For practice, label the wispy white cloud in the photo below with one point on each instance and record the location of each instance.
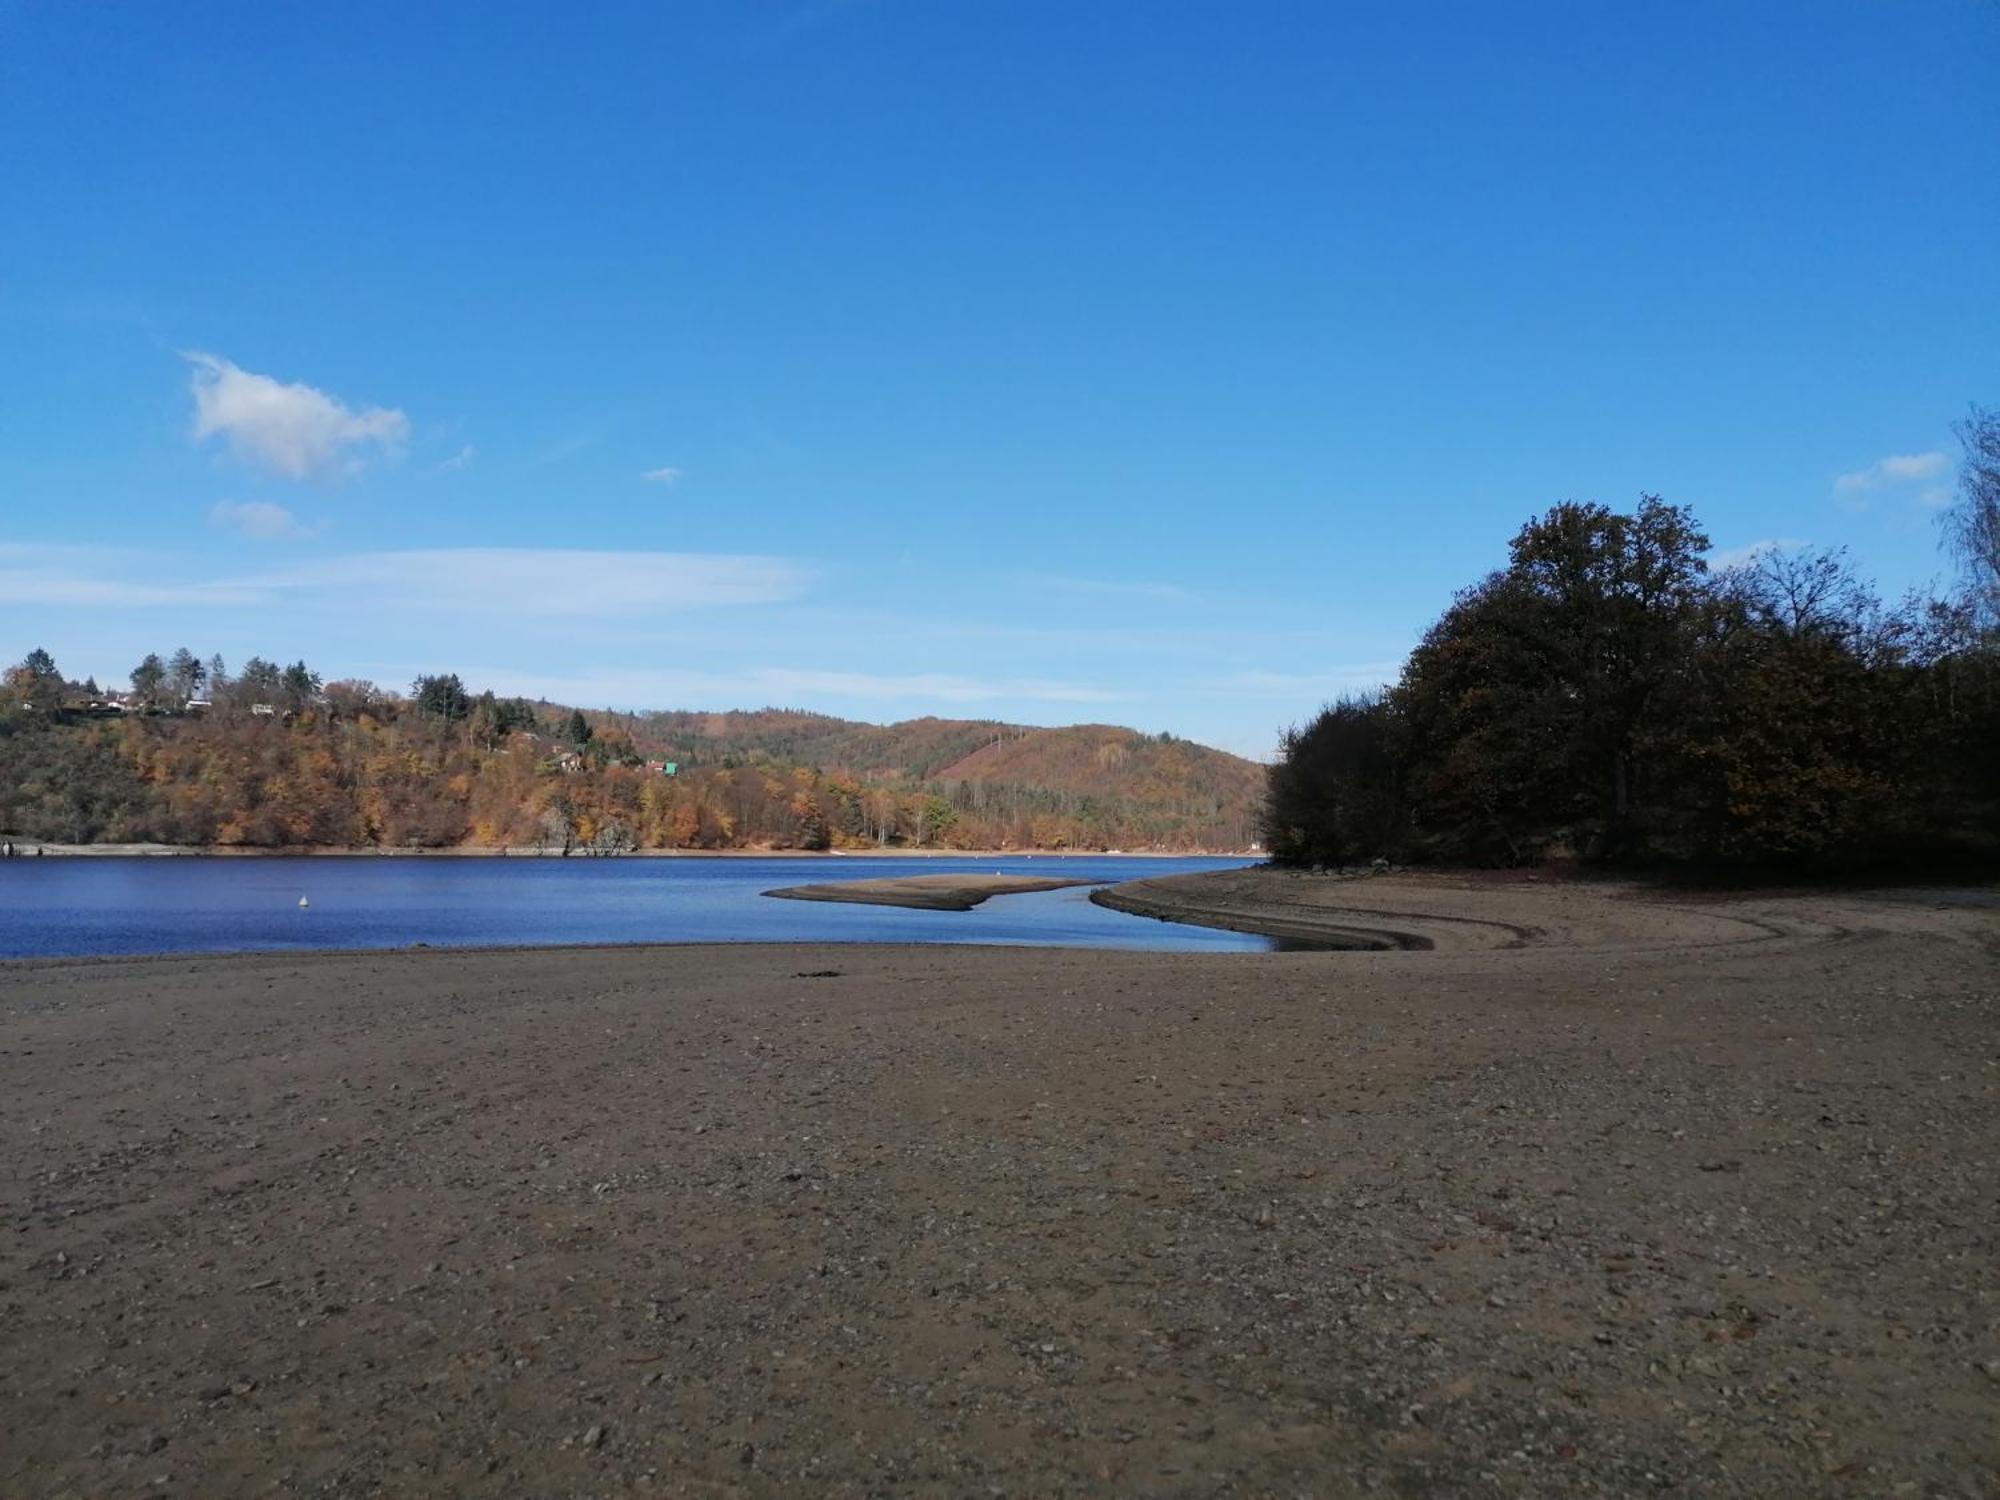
(259, 519)
(1720, 559)
(471, 581)
(948, 687)
(58, 590)
(461, 459)
(1360, 677)
(794, 686)
(666, 474)
(1896, 469)
(1170, 593)
(569, 447)
(291, 430)
(1913, 466)
(106, 578)
(552, 581)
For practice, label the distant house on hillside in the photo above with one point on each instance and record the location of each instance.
(569, 761)
(107, 703)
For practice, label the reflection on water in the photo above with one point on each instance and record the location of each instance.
(159, 905)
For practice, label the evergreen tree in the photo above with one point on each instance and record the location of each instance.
(185, 675)
(260, 682)
(300, 685)
(148, 678)
(442, 697)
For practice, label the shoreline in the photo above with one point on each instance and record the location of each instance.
(29, 849)
(1162, 902)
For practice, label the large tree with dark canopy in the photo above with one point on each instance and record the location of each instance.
(1534, 705)
(1334, 795)
(1604, 696)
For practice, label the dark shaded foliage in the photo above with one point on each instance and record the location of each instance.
(1605, 697)
(70, 784)
(1335, 794)
(442, 697)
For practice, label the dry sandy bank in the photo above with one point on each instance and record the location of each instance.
(1465, 912)
(1643, 1197)
(926, 892)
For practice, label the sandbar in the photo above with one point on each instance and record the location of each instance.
(925, 892)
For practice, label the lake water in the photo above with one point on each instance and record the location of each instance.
(91, 905)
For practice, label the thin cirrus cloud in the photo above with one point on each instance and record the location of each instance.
(1895, 470)
(461, 459)
(665, 474)
(100, 578)
(291, 429)
(1361, 678)
(260, 520)
(570, 446)
(1166, 593)
(647, 688)
(58, 590)
(1721, 559)
(551, 581)
(516, 582)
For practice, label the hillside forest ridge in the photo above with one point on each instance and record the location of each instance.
(272, 757)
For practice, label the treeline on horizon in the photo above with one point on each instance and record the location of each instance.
(273, 757)
(1606, 697)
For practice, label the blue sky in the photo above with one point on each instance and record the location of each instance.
(1163, 364)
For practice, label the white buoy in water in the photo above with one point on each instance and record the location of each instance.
(303, 903)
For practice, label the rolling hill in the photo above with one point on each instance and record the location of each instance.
(355, 767)
(1117, 786)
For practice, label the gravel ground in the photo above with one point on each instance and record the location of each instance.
(1602, 1194)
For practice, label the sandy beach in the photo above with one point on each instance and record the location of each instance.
(1566, 1190)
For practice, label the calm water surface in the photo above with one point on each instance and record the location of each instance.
(71, 906)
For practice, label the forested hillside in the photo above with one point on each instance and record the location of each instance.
(1081, 786)
(273, 758)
